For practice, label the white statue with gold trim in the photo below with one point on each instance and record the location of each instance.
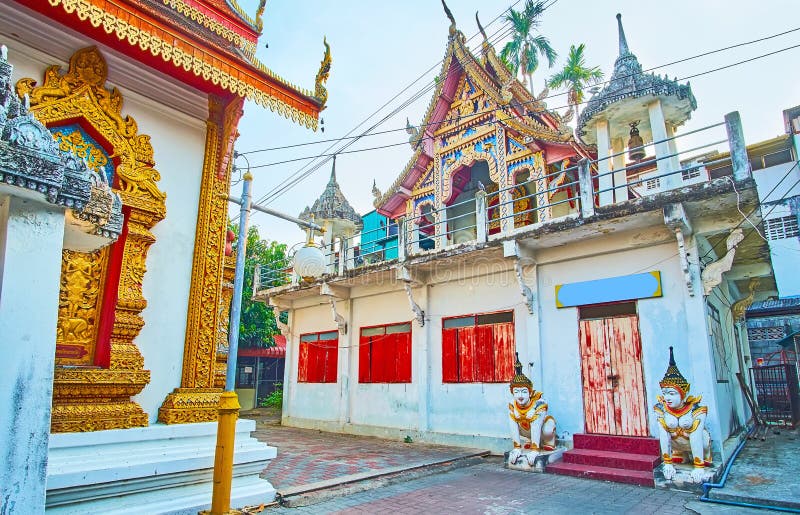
(532, 429)
(682, 426)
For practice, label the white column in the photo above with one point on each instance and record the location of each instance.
(348, 362)
(659, 130)
(33, 234)
(605, 179)
(620, 175)
(421, 337)
(330, 249)
(674, 161)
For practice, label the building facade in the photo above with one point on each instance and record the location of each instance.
(509, 242)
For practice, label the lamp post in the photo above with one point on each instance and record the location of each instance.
(228, 402)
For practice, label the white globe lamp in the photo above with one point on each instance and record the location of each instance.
(309, 263)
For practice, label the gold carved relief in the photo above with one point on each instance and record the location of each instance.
(197, 399)
(90, 399)
(79, 302)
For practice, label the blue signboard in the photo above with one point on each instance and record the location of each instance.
(613, 289)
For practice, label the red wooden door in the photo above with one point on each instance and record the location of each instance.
(613, 386)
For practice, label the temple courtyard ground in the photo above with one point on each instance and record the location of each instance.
(318, 472)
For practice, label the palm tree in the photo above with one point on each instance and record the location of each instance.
(575, 76)
(526, 45)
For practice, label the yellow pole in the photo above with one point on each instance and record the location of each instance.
(223, 461)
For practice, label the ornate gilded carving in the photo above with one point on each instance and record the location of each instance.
(205, 296)
(223, 321)
(322, 75)
(88, 399)
(79, 302)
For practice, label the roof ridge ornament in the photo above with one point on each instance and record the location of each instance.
(322, 75)
(480, 28)
(452, 29)
(623, 43)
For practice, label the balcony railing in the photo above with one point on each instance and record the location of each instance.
(575, 192)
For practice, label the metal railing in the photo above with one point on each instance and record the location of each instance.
(590, 184)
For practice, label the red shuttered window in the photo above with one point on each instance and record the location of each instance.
(478, 348)
(384, 354)
(318, 357)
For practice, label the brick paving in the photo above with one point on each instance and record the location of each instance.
(307, 456)
(488, 488)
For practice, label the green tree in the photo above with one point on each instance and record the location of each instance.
(526, 43)
(258, 324)
(575, 76)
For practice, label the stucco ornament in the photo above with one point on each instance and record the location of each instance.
(682, 427)
(532, 430)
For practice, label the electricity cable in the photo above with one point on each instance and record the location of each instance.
(491, 122)
(599, 84)
(284, 186)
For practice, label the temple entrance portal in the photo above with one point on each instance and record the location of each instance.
(611, 367)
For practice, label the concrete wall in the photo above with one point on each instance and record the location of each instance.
(548, 339)
(178, 141)
(32, 234)
(774, 184)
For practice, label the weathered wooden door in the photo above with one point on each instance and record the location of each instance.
(613, 386)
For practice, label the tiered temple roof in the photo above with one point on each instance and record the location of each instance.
(209, 44)
(518, 110)
(332, 205)
(629, 81)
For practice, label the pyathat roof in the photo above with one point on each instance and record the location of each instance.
(332, 205)
(629, 81)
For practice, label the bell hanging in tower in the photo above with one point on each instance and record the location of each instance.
(635, 144)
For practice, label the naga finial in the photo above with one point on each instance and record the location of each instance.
(322, 75)
(262, 4)
(452, 29)
(480, 28)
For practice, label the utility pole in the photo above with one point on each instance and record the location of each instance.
(229, 402)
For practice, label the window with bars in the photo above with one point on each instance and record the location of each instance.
(478, 348)
(691, 173)
(384, 354)
(318, 357)
(652, 184)
(781, 228)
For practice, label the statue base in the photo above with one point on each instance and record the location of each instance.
(539, 464)
(685, 477)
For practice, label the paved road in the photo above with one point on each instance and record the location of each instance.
(487, 488)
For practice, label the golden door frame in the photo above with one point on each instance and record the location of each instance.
(92, 399)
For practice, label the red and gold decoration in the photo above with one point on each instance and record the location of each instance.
(98, 366)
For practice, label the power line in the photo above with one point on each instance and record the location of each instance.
(604, 83)
(491, 122)
(288, 183)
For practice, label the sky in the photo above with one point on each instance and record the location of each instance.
(380, 48)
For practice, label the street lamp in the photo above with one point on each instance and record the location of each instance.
(310, 260)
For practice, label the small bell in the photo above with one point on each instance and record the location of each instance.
(635, 144)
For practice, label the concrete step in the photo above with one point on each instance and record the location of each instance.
(632, 477)
(626, 444)
(627, 461)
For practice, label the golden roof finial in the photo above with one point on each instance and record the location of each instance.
(480, 28)
(452, 29)
(322, 75)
